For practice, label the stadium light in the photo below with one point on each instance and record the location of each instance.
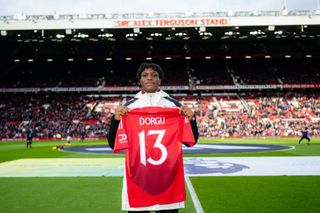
(228, 57)
(105, 35)
(308, 56)
(49, 60)
(187, 57)
(180, 34)
(131, 35)
(287, 56)
(70, 59)
(68, 31)
(30, 60)
(4, 33)
(81, 35)
(271, 27)
(202, 29)
(148, 58)
(205, 35)
(279, 32)
(109, 59)
(168, 58)
(16, 60)
(128, 59)
(257, 32)
(156, 34)
(267, 56)
(248, 56)
(60, 36)
(207, 57)
(89, 59)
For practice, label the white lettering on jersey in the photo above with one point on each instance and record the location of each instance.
(152, 121)
(123, 138)
(158, 144)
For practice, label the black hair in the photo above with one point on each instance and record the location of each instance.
(152, 66)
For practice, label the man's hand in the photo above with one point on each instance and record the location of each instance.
(121, 110)
(186, 111)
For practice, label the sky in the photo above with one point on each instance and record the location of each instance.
(46, 7)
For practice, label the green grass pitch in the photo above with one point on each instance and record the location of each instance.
(294, 194)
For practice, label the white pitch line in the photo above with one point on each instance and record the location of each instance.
(194, 196)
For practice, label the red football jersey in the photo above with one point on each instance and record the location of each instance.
(152, 137)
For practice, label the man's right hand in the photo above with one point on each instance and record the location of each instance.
(121, 110)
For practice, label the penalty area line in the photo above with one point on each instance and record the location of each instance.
(194, 196)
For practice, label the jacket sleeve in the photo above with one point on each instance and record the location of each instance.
(195, 131)
(111, 136)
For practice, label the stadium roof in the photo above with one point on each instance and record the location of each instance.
(36, 7)
(159, 20)
(167, 26)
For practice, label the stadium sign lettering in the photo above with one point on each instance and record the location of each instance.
(172, 22)
(142, 23)
(176, 22)
(214, 21)
(152, 121)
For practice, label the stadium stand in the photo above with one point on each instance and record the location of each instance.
(247, 81)
(254, 115)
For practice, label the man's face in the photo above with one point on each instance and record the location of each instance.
(150, 80)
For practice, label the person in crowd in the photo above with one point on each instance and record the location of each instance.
(305, 135)
(145, 185)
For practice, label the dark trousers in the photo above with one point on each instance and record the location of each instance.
(304, 138)
(160, 211)
(29, 142)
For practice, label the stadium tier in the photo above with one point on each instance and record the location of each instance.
(254, 115)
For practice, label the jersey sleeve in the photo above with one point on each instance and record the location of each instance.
(187, 135)
(121, 141)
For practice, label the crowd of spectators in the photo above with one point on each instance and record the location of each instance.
(264, 116)
(52, 115)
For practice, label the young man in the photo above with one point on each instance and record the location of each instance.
(156, 183)
(82, 135)
(29, 136)
(305, 136)
(69, 136)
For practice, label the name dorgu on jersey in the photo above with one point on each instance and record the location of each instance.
(152, 121)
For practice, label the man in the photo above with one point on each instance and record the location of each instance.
(69, 136)
(29, 136)
(151, 98)
(305, 136)
(82, 135)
